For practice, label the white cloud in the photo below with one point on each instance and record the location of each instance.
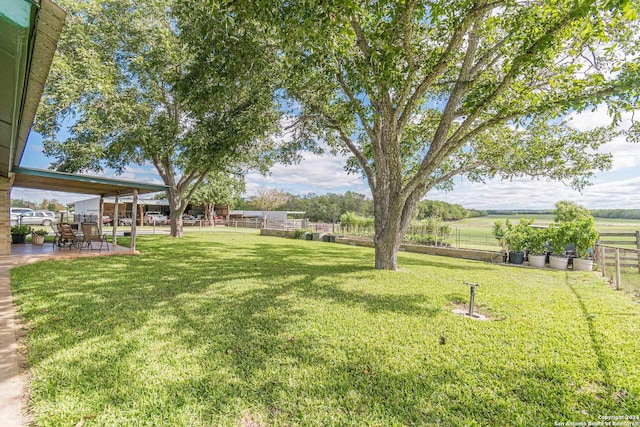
(316, 173)
(625, 154)
(533, 194)
(589, 120)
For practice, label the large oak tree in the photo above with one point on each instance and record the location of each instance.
(131, 84)
(422, 91)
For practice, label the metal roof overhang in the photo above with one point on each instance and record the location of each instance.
(58, 181)
(29, 32)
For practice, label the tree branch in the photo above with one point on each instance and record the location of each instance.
(195, 185)
(442, 64)
(356, 103)
(516, 66)
(433, 156)
(452, 173)
(363, 45)
(411, 65)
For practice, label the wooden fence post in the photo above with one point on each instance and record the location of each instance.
(638, 248)
(603, 260)
(618, 284)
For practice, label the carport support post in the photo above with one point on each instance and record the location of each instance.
(100, 214)
(114, 222)
(134, 212)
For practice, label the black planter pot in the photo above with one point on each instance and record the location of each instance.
(516, 257)
(19, 238)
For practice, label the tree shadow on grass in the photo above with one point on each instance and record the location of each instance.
(227, 327)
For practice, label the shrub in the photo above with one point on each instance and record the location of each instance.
(21, 230)
(299, 233)
(351, 221)
(583, 234)
(560, 236)
(537, 240)
(516, 236)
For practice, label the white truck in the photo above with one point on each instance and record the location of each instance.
(155, 218)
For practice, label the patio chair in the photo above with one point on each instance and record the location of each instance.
(91, 234)
(65, 235)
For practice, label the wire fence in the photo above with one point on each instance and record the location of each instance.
(621, 265)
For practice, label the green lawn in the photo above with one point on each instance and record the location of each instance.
(230, 328)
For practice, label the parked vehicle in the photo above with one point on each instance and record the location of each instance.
(14, 215)
(19, 211)
(155, 218)
(124, 221)
(106, 220)
(47, 213)
(36, 218)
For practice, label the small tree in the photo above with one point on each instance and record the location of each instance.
(569, 211)
(219, 187)
(268, 199)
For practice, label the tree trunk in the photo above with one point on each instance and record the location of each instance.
(176, 209)
(393, 212)
(386, 249)
(390, 237)
(208, 213)
(176, 224)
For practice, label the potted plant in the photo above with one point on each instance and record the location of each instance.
(37, 236)
(19, 233)
(515, 237)
(584, 237)
(560, 236)
(537, 246)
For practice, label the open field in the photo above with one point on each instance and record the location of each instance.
(233, 329)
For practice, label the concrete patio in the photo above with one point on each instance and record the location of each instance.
(27, 253)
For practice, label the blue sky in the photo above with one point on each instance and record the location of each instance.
(617, 188)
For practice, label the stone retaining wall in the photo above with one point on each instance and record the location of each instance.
(476, 255)
(472, 254)
(276, 233)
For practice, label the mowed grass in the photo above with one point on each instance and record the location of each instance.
(228, 329)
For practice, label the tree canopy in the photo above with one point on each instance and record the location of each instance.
(134, 86)
(219, 188)
(420, 92)
(567, 211)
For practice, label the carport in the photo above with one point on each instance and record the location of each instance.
(29, 33)
(103, 187)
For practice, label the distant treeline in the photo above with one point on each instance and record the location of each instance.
(521, 212)
(445, 211)
(616, 213)
(329, 207)
(598, 213)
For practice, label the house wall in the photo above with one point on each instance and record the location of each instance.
(5, 227)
